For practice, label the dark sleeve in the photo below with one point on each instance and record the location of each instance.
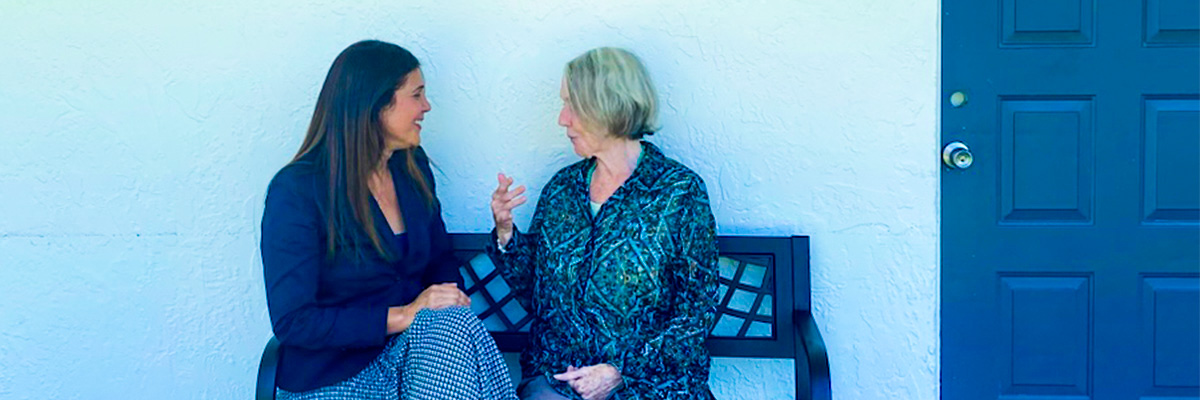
(516, 263)
(293, 248)
(676, 360)
(443, 263)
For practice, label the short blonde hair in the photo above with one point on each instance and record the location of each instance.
(611, 90)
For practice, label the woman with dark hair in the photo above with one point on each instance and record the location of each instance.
(362, 286)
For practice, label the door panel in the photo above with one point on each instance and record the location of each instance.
(1045, 322)
(1071, 248)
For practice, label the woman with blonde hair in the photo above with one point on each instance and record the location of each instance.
(619, 262)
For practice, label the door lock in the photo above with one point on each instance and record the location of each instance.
(957, 155)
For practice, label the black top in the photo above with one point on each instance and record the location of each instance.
(330, 314)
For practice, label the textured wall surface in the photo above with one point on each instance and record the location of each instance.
(137, 138)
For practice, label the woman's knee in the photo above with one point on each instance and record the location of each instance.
(457, 314)
(538, 388)
(457, 319)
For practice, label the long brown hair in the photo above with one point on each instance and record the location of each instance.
(345, 138)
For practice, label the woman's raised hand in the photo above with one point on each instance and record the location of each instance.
(503, 202)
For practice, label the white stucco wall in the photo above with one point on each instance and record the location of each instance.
(137, 138)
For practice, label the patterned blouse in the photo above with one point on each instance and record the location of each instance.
(634, 286)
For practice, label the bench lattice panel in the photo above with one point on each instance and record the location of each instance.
(746, 307)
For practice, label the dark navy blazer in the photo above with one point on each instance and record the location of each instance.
(330, 314)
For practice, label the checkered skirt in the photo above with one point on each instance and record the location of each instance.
(444, 354)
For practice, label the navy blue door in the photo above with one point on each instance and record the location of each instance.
(1071, 246)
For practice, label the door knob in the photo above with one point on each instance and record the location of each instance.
(957, 155)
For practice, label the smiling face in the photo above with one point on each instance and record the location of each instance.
(402, 118)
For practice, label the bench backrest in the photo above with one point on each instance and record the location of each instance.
(763, 282)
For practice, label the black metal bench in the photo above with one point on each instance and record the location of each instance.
(764, 309)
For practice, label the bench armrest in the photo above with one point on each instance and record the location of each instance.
(265, 388)
(815, 364)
